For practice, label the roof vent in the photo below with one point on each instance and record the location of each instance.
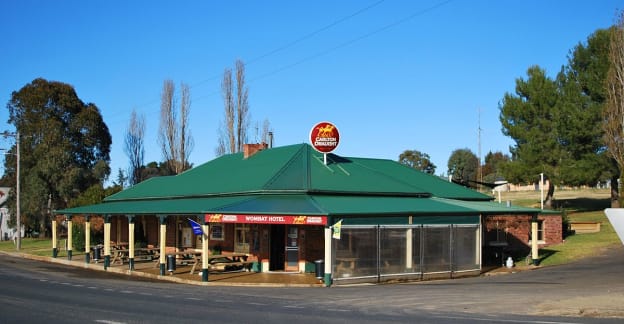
(251, 149)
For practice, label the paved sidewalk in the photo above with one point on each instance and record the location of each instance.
(151, 269)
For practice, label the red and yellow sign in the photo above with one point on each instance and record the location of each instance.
(324, 137)
(266, 219)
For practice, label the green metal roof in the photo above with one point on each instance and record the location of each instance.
(295, 204)
(156, 206)
(294, 180)
(297, 168)
(489, 207)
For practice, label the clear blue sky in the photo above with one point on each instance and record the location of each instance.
(392, 75)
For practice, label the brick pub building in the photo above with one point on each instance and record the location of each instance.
(292, 208)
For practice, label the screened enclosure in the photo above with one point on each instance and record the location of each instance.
(385, 252)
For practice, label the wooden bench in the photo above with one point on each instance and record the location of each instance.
(119, 255)
(224, 262)
(146, 254)
(122, 255)
(585, 227)
(231, 266)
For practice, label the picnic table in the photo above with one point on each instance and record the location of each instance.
(121, 254)
(229, 262)
(346, 263)
(217, 262)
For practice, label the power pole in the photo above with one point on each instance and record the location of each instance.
(18, 244)
(18, 222)
(479, 170)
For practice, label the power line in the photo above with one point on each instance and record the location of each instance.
(314, 33)
(321, 53)
(355, 40)
(283, 47)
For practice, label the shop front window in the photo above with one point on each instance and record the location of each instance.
(216, 232)
(241, 238)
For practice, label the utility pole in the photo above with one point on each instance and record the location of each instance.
(479, 169)
(18, 240)
(542, 190)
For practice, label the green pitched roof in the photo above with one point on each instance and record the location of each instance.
(297, 168)
(295, 180)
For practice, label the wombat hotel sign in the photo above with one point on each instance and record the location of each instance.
(266, 219)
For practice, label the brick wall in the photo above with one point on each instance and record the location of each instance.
(516, 229)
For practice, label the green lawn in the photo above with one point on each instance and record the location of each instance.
(585, 205)
(42, 247)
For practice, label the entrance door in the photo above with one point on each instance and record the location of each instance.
(277, 242)
(292, 249)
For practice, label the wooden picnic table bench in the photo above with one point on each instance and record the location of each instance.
(229, 262)
(218, 262)
(122, 254)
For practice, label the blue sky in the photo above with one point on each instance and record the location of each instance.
(392, 75)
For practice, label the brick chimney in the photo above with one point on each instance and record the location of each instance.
(251, 149)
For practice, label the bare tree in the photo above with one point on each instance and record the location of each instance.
(242, 106)
(227, 132)
(168, 129)
(614, 108)
(233, 132)
(186, 139)
(174, 135)
(134, 146)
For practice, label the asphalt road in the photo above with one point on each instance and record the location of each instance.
(591, 291)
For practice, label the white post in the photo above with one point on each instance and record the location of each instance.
(163, 244)
(542, 190)
(70, 238)
(328, 256)
(534, 243)
(87, 239)
(205, 247)
(131, 239)
(17, 195)
(409, 261)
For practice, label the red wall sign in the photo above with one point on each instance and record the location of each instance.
(266, 219)
(324, 137)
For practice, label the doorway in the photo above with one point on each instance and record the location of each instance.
(278, 246)
(292, 249)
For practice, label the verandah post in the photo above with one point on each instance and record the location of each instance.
(130, 242)
(205, 241)
(87, 234)
(70, 237)
(107, 246)
(54, 238)
(162, 242)
(328, 256)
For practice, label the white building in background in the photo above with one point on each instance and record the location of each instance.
(6, 232)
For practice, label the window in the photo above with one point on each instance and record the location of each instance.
(241, 238)
(540, 232)
(216, 232)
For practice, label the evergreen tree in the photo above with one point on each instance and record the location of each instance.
(64, 147)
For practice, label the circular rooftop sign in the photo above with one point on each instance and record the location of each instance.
(324, 137)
